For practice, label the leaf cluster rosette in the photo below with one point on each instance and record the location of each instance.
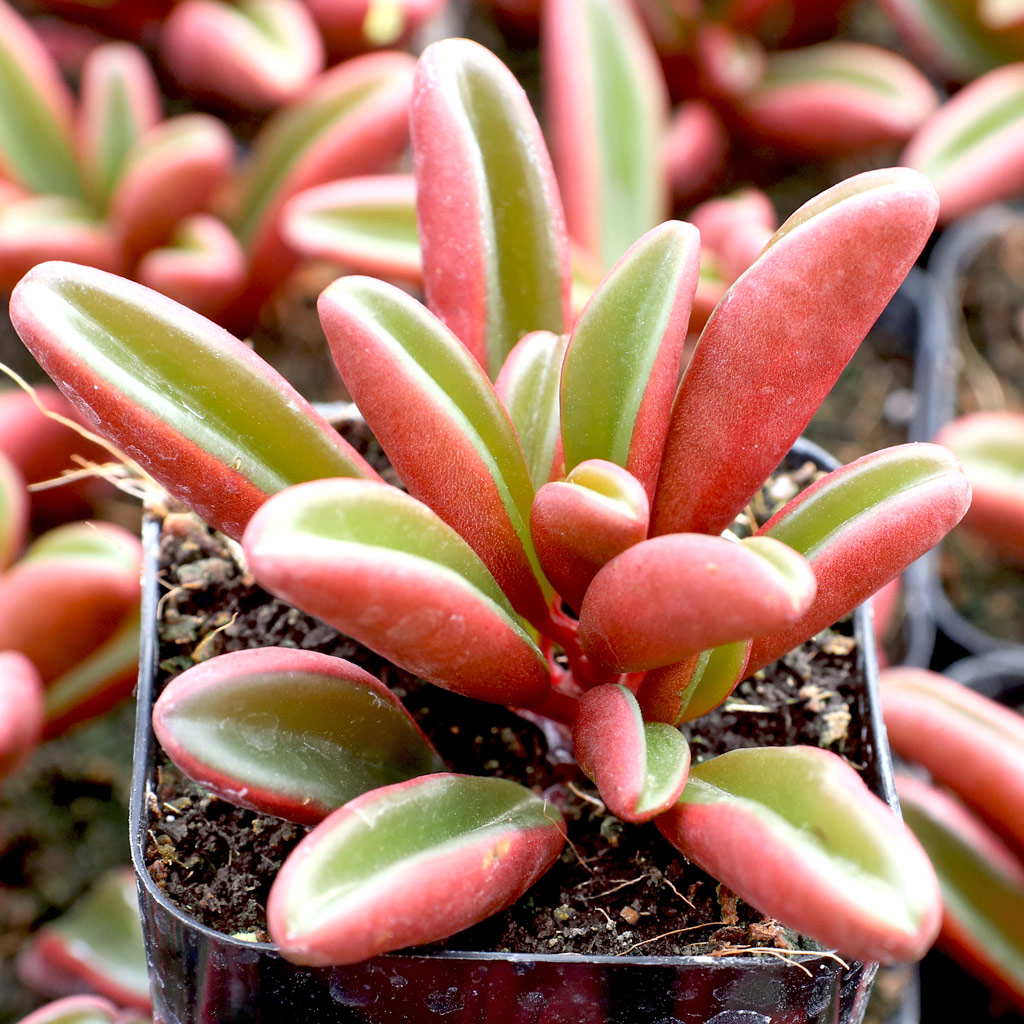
(562, 543)
(104, 179)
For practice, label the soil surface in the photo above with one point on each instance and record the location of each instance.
(618, 888)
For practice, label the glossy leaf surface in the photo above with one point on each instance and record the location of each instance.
(861, 526)
(607, 112)
(371, 877)
(384, 569)
(191, 404)
(436, 415)
(762, 367)
(796, 833)
(677, 595)
(288, 732)
(495, 250)
(639, 768)
(622, 365)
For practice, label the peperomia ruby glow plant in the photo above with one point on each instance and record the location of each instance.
(564, 543)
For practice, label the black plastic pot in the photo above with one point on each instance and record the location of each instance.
(199, 976)
(957, 636)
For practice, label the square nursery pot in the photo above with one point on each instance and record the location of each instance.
(200, 975)
(941, 374)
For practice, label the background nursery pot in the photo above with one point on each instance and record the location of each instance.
(198, 974)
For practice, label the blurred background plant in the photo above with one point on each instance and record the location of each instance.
(239, 156)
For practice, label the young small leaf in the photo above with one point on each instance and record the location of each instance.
(288, 732)
(581, 523)
(527, 386)
(639, 768)
(370, 878)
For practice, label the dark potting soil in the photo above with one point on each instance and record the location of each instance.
(617, 888)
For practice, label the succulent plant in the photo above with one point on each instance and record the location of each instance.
(969, 824)
(563, 543)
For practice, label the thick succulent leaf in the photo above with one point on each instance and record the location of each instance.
(21, 715)
(971, 148)
(76, 1010)
(495, 249)
(97, 682)
(991, 447)
(366, 224)
(408, 864)
(692, 687)
(195, 407)
(172, 171)
(795, 832)
(68, 593)
(639, 768)
(381, 567)
(47, 227)
(289, 732)
(967, 741)
(36, 134)
(837, 97)
(1001, 14)
(622, 365)
(253, 54)
(762, 367)
(862, 525)
(607, 112)
(97, 945)
(353, 120)
(118, 101)
(14, 508)
(203, 267)
(581, 523)
(982, 886)
(436, 415)
(679, 594)
(527, 386)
